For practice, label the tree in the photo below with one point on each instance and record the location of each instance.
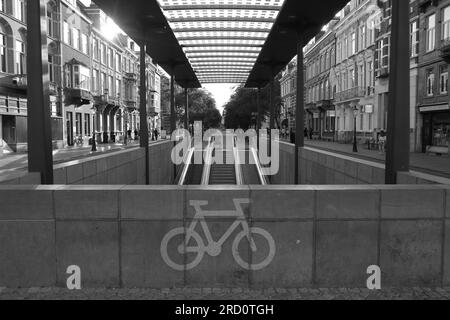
(202, 107)
(240, 110)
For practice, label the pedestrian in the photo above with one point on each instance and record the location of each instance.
(136, 134)
(311, 131)
(305, 132)
(382, 142)
(156, 134)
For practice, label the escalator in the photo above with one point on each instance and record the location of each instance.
(222, 164)
(223, 174)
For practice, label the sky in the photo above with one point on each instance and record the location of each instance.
(221, 92)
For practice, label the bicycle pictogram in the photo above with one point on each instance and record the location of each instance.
(191, 243)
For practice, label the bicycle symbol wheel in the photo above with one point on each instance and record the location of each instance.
(270, 244)
(182, 249)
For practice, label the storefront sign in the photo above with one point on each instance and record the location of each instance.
(368, 108)
(441, 107)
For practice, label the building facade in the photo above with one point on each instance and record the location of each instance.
(13, 102)
(433, 90)
(352, 79)
(382, 68)
(94, 77)
(320, 58)
(288, 84)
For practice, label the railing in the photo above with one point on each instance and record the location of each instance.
(262, 177)
(208, 159)
(237, 163)
(187, 163)
(355, 92)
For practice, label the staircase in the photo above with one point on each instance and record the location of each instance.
(223, 174)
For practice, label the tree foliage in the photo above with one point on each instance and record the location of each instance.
(240, 110)
(202, 107)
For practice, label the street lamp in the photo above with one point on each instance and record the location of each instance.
(355, 142)
(94, 143)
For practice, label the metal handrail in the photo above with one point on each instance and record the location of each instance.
(187, 164)
(262, 177)
(237, 162)
(207, 166)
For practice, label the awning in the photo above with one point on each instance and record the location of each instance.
(436, 107)
(219, 41)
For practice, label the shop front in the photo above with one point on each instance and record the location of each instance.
(436, 129)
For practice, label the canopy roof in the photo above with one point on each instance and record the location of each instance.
(221, 41)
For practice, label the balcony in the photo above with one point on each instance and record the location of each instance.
(445, 49)
(77, 96)
(350, 94)
(130, 76)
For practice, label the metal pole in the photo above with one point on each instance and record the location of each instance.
(258, 117)
(355, 140)
(186, 109)
(143, 138)
(40, 150)
(299, 112)
(173, 123)
(397, 156)
(94, 143)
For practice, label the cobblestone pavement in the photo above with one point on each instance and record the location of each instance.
(226, 294)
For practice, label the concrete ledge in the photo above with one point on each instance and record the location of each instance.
(87, 202)
(325, 236)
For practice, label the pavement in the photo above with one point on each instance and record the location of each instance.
(19, 161)
(226, 294)
(421, 162)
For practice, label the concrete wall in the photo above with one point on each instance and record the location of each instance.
(318, 167)
(324, 236)
(121, 167)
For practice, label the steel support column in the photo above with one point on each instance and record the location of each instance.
(299, 112)
(397, 156)
(143, 135)
(40, 155)
(186, 109)
(173, 122)
(259, 115)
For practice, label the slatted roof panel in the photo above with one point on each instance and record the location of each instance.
(222, 39)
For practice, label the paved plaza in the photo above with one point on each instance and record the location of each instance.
(226, 294)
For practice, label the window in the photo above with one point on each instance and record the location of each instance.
(110, 58)
(84, 44)
(78, 123)
(2, 5)
(81, 77)
(111, 86)
(414, 39)
(430, 83)
(118, 62)
(95, 79)
(87, 124)
(446, 24)
(431, 33)
(19, 10)
(20, 57)
(76, 38)
(353, 43)
(362, 37)
(52, 68)
(66, 32)
(51, 29)
(95, 49)
(3, 49)
(104, 84)
(443, 80)
(118, 84)
(103, 53)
